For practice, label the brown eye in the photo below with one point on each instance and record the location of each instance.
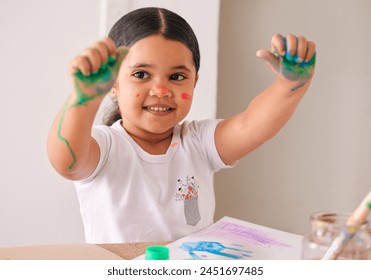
(141, 75)
(177, 77)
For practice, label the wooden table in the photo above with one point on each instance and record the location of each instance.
(124, 251)
(129, 251)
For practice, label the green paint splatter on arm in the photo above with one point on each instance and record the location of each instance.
(64, 140)
(99, 83)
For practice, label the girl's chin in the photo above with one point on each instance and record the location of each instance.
(159, 130)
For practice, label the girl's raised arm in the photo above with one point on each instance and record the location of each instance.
(71, 149)
(292, 60)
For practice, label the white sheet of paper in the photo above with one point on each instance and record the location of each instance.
(235, 239)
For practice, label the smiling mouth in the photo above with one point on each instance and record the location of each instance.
(159, 109)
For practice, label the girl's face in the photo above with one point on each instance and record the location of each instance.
(155, 86)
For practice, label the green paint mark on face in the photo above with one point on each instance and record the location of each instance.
(369, 205)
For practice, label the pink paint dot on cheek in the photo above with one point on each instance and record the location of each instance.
(186, 96)
(136, 94)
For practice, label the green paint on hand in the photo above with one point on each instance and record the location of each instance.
(301, 70)
(64, 139)
(103, 75)
(294, 71)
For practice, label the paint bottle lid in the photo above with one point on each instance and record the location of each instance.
(157, 253)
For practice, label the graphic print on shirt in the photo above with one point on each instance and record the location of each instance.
(188, 193)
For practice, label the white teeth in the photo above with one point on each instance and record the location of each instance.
(159, 109)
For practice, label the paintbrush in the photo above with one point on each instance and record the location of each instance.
(357, 218)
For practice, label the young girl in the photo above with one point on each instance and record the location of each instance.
(144, 176)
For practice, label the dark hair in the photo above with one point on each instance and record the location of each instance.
(145, 22)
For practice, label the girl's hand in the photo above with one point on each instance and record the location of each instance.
(94, 72)
(291, 58)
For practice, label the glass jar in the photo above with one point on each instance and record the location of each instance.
(329, 227)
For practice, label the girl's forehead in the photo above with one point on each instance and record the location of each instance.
(157, 40)
(157, 49)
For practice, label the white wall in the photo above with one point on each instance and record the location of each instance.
(321, 161)
(38, 40)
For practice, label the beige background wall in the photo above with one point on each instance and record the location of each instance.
(321, 161)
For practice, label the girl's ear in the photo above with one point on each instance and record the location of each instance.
(114, 90)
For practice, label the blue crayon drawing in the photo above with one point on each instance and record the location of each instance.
(215, 248)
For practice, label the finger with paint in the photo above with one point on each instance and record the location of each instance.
(95, 70)
(93, 57)
(291, 58)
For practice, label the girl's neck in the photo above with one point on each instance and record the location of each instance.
(152, 143)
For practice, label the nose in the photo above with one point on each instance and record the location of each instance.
(160, 91)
